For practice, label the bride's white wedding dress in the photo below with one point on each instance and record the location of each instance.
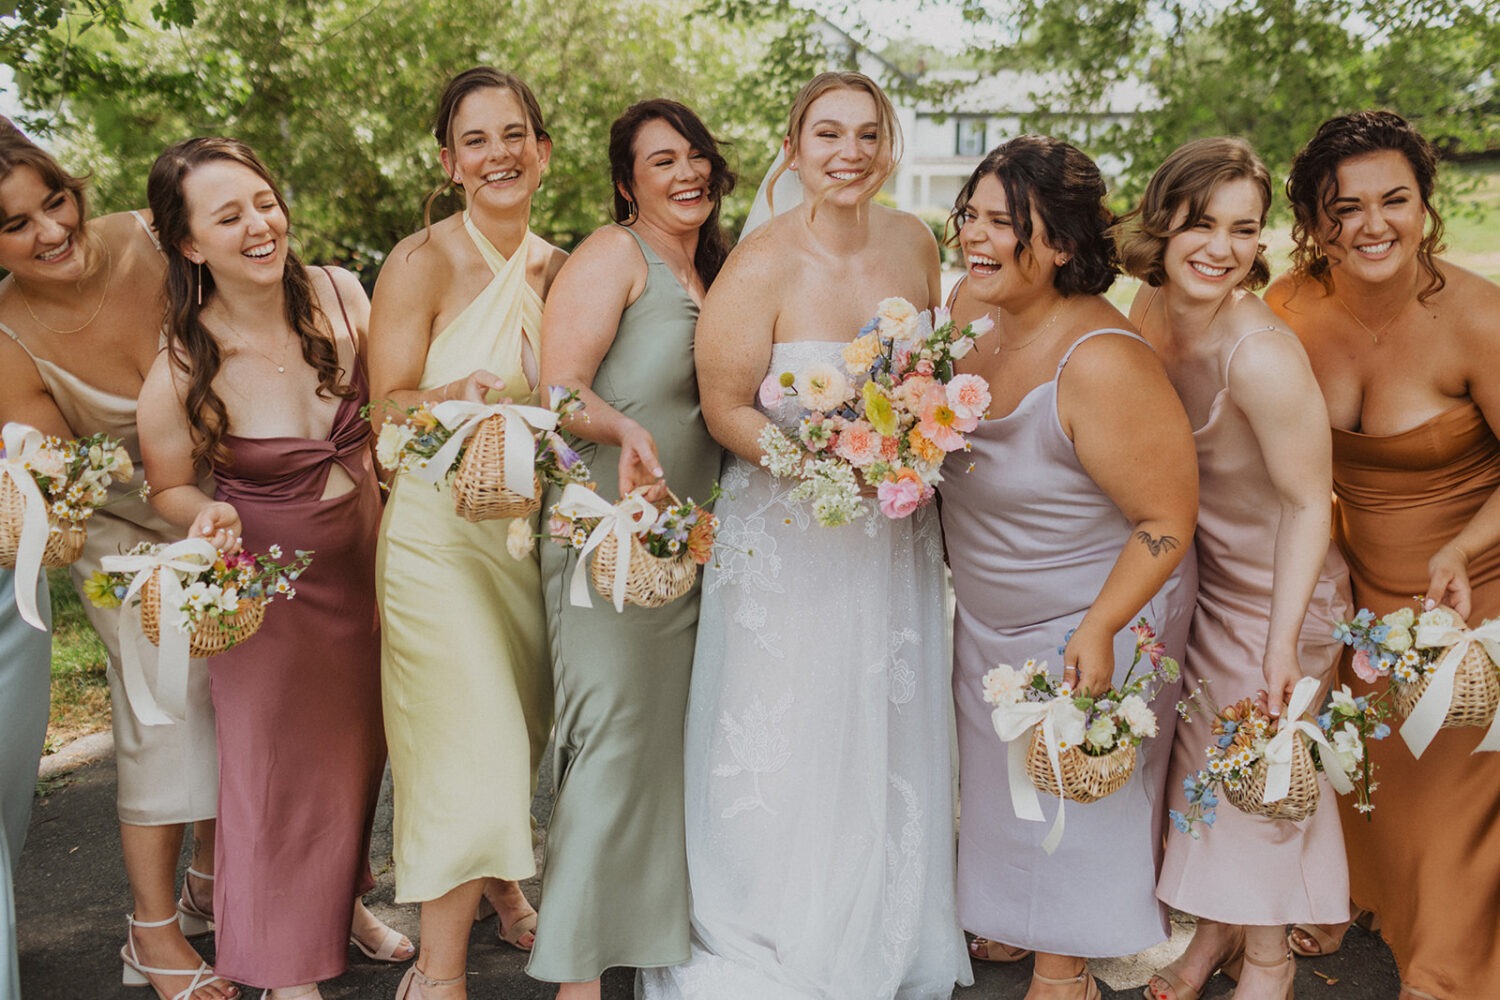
(819, 776)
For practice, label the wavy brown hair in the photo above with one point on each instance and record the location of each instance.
(1063, 186)
(888, 148)
(193, 348)
(1313, 186)
(713, 245)
(454, 92)
(1187, 180)
(16, 150)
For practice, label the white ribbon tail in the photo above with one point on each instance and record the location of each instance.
(1421, 727)
(1279, 748)
(1014, 724)
(631, 516)
(190, 556)
(20, 442)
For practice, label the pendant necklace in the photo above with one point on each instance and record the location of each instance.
(245, 342)
(1056, 312)
(1375, 333)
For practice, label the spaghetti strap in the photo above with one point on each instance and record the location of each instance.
(953, 292)
(348, 327)
(1229, 358)
(16, 337)
(1094, 333)
(150, 233)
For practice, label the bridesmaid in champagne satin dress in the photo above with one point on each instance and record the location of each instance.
(1406, 347)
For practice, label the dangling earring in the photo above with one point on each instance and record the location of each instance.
(633, 214)
(200, 282)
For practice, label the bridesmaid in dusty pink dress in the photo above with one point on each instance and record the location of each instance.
(1269, 586)
(270, 364)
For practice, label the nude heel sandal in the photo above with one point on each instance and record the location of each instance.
(1090, 986)
(195, 920)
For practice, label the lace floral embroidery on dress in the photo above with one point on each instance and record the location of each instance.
(759, 746)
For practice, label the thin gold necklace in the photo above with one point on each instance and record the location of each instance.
(245, 342)
(109, 273)
(1374, 334)
(1056, 312)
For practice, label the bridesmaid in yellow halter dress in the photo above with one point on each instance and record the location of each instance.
(457, 315)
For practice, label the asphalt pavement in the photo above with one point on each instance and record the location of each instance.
(71, 899)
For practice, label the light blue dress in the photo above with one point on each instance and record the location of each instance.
(25, 689)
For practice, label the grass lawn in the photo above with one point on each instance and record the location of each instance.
(80, 693)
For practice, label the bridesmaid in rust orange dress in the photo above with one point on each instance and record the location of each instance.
(1406, 348)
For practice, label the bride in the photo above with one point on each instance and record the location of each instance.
(819, 805)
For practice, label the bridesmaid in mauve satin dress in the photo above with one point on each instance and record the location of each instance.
(1406, 347)
(301, 745)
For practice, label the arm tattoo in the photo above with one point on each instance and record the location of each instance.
(1165, 543)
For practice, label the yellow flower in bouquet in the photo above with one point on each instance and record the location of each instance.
(860, 354)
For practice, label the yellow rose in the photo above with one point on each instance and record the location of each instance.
(1398, 639)
(859, 355)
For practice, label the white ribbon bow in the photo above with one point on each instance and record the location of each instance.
(463, 419)
(21, 443)
(1278, 751)
(631, 516)
(191, 557)
(1013, 724)
(1432, 708)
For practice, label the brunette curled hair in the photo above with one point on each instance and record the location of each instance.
(1185, 182)
(16, 150)
(454, 92)
(713, 245)
(1313, 186)
(191, 346)
(1057, 181)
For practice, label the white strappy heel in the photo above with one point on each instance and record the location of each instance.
(195, 920)
(136, 974)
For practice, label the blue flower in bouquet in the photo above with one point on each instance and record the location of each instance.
(1325, 721)
(1379, 633)
(1380, 732)
(1365, 618)
(1342, 633)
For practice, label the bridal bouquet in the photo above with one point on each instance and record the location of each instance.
(1442, 673)
(496, 456)
(888, 416)
(58, 482)
(1079, 747)
(643, 554)
(1270, 768)
(215, 599)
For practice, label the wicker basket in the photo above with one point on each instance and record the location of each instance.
(1301, 797)
(213, 635)
(479, 490)
(1476, 691)
(64, 541)
(1084, 778)
(651, 581)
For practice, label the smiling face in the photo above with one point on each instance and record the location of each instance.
(1213, 254)
(839, 155)
(1373, 228)
(669, 179)
(237, 227)
(987, 236)
(40, 229)
(493, 151)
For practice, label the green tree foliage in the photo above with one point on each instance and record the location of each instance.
(1268, 70)
(338, 95)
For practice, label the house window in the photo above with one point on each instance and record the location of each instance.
(971, 137)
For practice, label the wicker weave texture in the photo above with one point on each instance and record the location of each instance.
(1301, 799)
(479, 489)
(213, 635)
(1476, 691)
(651, 581)
(1084, 778)
(64, 541)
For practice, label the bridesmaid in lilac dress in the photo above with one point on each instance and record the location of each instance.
(275, 383)
(1072, 520)
(1270, 586)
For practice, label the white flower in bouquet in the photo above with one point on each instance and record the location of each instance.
(1440, 617)
(898, 318)
(1402, 617)
(1398, 639)
(392, 442)
(1101, 733)
(1342, 700)
(1004, 685)
(1348, 748)
(823, 387)
(1069, 723)
(518, 540)
(1138, 715)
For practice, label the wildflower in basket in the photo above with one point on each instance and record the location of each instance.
(518, 538)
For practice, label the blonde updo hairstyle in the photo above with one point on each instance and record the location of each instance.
(888, 151)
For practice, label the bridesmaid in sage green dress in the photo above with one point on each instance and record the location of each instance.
(619, 328)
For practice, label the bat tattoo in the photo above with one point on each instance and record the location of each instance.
(1165, 543)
